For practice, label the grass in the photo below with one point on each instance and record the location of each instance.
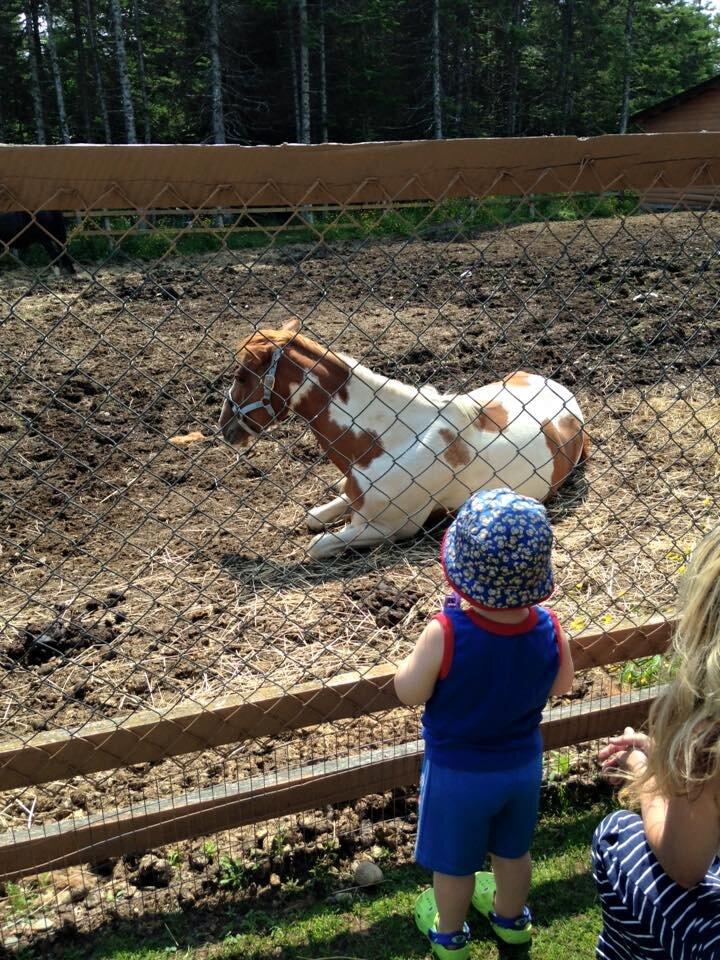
(376, 925)
(463, 217)
(21, 902)
(645, 672)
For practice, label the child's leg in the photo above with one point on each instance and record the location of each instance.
(452, 895)
(512, 882)
(510, 836)
(451, 841)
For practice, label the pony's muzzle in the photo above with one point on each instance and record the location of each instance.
(231, 429)
(234, 434)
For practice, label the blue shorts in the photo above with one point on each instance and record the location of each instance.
(464, 815)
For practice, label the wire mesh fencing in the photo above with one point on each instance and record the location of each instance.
(219, 542)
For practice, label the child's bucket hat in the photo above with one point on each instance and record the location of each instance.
(497, 551)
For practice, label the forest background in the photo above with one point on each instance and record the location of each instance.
(271, 71)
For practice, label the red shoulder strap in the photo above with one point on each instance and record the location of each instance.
(448, 644)
(556, 625)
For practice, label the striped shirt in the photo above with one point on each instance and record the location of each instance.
(646, 915)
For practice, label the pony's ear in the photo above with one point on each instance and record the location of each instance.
(292, 324)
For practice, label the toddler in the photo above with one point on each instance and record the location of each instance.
(484, 668)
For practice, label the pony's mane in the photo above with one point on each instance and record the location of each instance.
(261, 340)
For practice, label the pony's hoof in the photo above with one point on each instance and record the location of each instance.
(325, 545)
(313, 523)
(317, 549)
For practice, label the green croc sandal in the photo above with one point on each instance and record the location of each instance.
(445, 946)
(517, 930)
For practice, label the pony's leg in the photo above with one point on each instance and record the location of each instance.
(390, 524)
(357, 533)
(320, 517)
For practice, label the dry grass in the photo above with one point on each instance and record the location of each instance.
(186, 571)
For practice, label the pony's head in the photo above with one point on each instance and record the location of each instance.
(257, 396)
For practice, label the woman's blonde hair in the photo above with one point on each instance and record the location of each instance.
(685, 720)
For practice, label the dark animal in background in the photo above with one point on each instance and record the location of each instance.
(18, 231)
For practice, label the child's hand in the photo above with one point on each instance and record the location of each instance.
(629, 740)
(626, 754)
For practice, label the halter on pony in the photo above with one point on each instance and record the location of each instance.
(241, 412)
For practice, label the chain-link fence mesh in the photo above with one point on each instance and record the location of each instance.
(144, 573)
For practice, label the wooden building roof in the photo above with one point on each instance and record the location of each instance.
(694, 109)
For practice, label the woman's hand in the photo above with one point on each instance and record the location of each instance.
(626, 754)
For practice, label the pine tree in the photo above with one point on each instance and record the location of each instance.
(55, 70)
(97, 72)
(304, 61)
(82, 72)
(141, 71)
(627, 63)
(34, 50)
(218, 122)
(123, 74)
(323, 73)
(437, 86)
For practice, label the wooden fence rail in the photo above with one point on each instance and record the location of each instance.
(337, 780)
(152, 736)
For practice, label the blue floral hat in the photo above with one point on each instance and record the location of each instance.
(497, 552)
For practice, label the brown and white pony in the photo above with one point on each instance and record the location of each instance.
(404, 452)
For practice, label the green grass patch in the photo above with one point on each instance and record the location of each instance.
(463, 219)
(645, 672)
(378, 924)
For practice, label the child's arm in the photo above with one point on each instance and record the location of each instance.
(564, 679)
(418, 673)
(683, 831)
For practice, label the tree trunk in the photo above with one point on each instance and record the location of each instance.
(55, 70)
(141, 73)
(466, 38)
(304, 73)
(460, 75)
(294, 75)
(323, 76)
(566, 64)
(218, 121)
(35, 67)
(82, 73)
(99, 85)
(437, 92)
(625, 109)
(123, 75)
(514, 67)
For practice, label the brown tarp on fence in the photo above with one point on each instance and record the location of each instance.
(97, 177)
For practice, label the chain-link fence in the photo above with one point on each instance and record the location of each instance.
(181, 654)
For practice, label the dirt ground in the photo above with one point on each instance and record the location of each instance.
(138, 574)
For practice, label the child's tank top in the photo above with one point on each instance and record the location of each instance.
(495, 678)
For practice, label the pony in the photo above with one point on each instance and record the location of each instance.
(405, 453)
(46, 227)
